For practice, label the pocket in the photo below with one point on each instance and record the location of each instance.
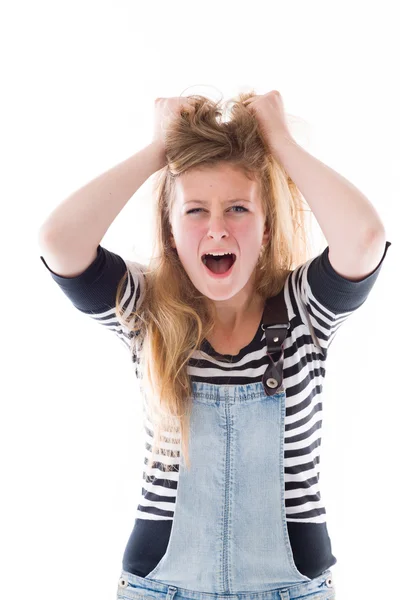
(126, 591)
(131, 593)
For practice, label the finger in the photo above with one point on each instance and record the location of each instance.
(250, 100)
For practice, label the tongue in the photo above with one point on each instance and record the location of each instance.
(220, 265)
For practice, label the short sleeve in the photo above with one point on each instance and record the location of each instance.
(93, 292)
(323, 300)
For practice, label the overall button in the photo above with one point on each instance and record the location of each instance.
(329, 582)
(122, 582)
(271, 382)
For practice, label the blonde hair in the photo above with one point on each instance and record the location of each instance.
(175, 317)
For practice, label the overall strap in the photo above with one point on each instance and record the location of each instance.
(275, 323)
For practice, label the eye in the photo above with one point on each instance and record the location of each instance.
(236, 206)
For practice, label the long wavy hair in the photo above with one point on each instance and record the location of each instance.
(173, 320)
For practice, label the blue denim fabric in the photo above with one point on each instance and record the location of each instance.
(132, 587)
(229, 535)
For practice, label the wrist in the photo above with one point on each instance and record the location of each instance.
(159, 150)
(281, 140)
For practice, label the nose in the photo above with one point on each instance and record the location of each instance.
(217, 228)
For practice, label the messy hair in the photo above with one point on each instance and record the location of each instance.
(173, 320)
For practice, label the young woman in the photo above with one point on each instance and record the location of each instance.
(229, 328)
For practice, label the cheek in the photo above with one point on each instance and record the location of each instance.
(244, 234)
(189, 241)
(191, 233)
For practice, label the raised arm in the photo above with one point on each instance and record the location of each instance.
(71, 234)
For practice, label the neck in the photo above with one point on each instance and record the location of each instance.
(231, 318)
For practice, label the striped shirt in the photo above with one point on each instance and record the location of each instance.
(318, 301)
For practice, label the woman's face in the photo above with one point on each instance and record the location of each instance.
(204, 218)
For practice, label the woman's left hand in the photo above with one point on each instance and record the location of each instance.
(269, 112)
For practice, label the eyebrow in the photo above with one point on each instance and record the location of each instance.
(227, 201)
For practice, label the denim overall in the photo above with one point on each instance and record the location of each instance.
(229, 535)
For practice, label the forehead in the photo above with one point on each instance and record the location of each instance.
(221, 182)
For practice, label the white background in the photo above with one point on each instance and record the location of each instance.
(79, 82)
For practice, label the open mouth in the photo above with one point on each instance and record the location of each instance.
(218, 264)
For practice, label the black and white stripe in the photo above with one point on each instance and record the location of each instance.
(318, 300)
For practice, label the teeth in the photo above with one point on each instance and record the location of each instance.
(203, 258)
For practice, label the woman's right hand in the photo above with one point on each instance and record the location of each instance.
(165, 110)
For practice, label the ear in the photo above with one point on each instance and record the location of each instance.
(266, 235)
(172, 239)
